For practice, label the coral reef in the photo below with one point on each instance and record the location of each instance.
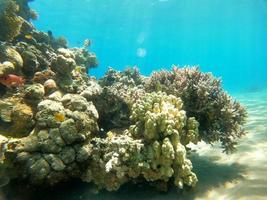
(58, 123)
(16, 117)
(10, 55)
(153, 148)
(219, 116)
(161, 122)
(10, 22)
(120, 90)
(55, 148)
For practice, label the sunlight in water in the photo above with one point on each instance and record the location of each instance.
(141, 52)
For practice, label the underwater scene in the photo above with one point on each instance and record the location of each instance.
(133, 99)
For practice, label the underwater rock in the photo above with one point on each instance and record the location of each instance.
(25, 11)
(47, 110)
(30, 62)
(55, 162)
(6, 68)
(59, 140)
(16, 116)
(10, 22)
(36, 55)
(3, 141)
(34, 93)
(41, 77)
(120, 91)
(62, 65)
(84, 58)
(39, 169)
(56, 96)
(67, 155)
(6, 111)
(8, 53)
(84, 152)
(92, 90)
(22, 119)
(69, 132)
(50, 86)
(117, 163)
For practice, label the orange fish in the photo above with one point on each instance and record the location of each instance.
(12, 80)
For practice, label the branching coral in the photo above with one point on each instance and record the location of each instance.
(219, 116)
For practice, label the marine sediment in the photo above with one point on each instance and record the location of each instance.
(58, 123)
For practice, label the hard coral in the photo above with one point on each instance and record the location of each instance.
(56, 149)
(120, 90)
(151, 149)
(219, 116)
(16, 117)
(10, 22)
(160, 121)
(25, 11)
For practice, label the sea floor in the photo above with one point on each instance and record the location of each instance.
(239, 176)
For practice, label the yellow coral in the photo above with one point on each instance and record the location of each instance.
(110, 135)
(160, 120)
(59, 117)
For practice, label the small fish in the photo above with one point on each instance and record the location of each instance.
(12, 80)
(59, 117)
(28, 36)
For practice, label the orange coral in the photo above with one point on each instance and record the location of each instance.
(41, 77)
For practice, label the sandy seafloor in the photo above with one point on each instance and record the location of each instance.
(239, 176)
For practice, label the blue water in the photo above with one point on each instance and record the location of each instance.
(226, 37)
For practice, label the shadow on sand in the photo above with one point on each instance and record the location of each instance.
(210, 175)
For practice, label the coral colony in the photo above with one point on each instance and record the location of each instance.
(57, 123)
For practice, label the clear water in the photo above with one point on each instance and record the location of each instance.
(226, 37)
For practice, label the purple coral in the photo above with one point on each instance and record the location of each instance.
(220, 116)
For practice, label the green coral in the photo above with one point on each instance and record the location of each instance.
(10, 22)
(159, 115)
(159, 119)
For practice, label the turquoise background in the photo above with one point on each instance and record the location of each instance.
(226, 37)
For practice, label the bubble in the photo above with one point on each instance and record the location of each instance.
(141, 52)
